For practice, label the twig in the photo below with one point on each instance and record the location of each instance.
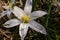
(2, 32)
(4, 38)
(21, 3)
(11, 38)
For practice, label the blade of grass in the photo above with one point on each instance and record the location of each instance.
(48, 16)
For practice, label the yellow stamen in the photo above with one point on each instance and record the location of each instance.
(25, 19)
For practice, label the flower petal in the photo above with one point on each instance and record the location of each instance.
(37, 27)
(11, 23)
(3, 14)
(9, 14)
(37, 14)
(5, 7)
(23, 30)
(18, 12)
(28, 6)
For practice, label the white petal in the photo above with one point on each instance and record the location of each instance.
(11, 23)
(23, 30)
(9, 14)
(18, 12)
(28, 6)
(37, 14)
(37, 27)
(5, 7)
(3, 14)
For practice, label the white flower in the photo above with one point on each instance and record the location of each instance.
(26, 19)
(8, 9)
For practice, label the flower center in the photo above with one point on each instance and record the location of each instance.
(25, 19)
